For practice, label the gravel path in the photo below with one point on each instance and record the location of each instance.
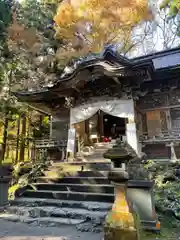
(19, 231)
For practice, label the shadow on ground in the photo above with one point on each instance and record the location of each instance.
(19, 231)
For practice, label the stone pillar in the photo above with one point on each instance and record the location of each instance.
(4, 186)
(140, 194)
(173, 154)
(120, 224)
(139, 189)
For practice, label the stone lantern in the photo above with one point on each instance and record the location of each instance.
(4, 186)
(139, 187)
(119, 156)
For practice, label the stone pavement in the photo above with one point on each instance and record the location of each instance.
(19, 231)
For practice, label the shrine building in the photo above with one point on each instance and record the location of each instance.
(109, 96)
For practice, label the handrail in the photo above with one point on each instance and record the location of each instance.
(164, 136)
(48, 143)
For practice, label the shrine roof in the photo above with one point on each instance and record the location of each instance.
(110, 63)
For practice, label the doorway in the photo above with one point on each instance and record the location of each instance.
(114, 127)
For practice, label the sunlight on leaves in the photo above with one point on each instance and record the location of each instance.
(87, 26)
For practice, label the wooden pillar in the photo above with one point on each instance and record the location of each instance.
(71, 138)
(23, 135)
(168, 117)
(50, 127)
(100, 125)
(171, 145)
(131, 134)
(87, 131)
(169, 126)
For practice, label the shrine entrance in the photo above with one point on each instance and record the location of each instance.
(101, 127)
(114, 127)
(94, 120)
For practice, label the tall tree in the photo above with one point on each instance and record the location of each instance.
(88, 25)
(32, 41)
(5, 74)
(27, 50)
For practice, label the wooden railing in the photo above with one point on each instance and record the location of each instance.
(42, 146)
(165, 136)
(50, 143)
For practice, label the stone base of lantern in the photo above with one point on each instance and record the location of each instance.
(119, 234)
(140, 194)
(4, 186)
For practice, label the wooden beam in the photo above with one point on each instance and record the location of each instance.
(159, 108)
(74, 87)
(116, 80)
(38, 109)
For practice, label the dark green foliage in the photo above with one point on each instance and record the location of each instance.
(5, 17)
(166, 189)
(39, 15)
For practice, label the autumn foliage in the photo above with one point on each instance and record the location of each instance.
(91, 24)
(172, 5)
(18, 34)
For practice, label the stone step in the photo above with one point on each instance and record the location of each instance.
(41, 221)
(58, 164)
(103, 145)
(86, 173)
(88, 205)
(74, 180)
(64, 195)
(103, 165)
(56, 212)
(94, 188)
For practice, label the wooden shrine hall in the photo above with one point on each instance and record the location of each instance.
(108, 96)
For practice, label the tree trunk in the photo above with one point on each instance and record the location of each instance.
(5, 136)
(17, 141)
(28, 135)
(7, 151)
(40, 123)
(23, 135)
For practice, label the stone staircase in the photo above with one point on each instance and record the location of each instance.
(81, 199)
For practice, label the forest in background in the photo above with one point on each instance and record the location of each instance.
(26, 62)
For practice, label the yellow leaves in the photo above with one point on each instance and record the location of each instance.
(97, 11)
(99, 21)
(66, 14)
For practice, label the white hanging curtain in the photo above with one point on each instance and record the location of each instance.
(117, 108)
